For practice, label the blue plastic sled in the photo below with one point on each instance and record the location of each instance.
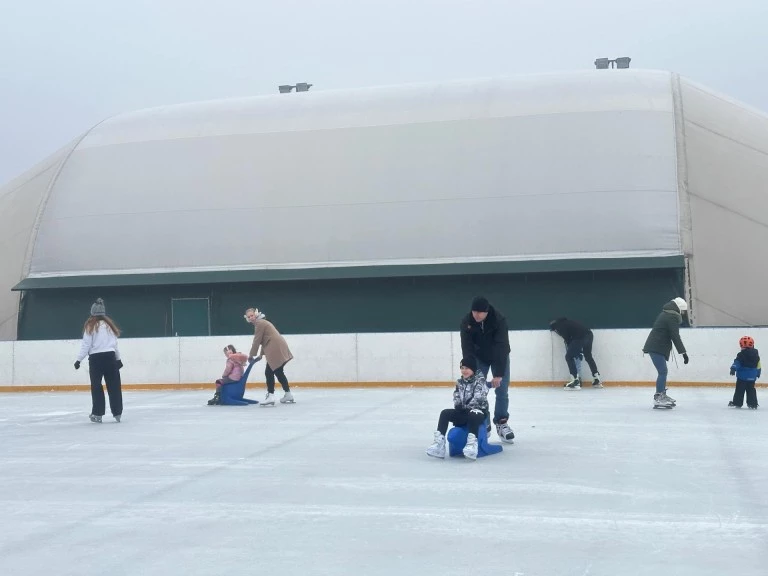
(457, 439)
(232, 393)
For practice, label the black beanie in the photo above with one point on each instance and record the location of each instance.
(470, 363)
(480, 304)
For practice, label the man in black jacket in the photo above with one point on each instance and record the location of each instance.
(485, 336)
(578, 344)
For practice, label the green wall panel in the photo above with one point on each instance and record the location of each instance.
(601, 299)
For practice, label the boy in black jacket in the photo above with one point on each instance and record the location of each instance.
(470, 408)
(578, 344)
(485, 337)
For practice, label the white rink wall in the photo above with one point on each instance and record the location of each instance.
(372, 359)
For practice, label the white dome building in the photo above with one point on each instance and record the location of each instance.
(610, 170)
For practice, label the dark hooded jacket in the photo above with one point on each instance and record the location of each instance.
(488, 341)
(569, 329)
(665, 332)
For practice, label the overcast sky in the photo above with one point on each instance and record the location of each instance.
(67, 64)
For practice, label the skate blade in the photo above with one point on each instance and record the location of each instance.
(664, 407)
(288, 402)
(272, 404)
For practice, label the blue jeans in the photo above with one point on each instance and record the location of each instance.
(661, 367)
(500, 410)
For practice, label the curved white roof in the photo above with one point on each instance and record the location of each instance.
(455, 172)
(593, 164)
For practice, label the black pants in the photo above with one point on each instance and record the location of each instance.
(578, 347)
(104, 365)
(743, 386)
(461, 417)
(270, 375)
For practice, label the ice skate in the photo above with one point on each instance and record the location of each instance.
(216, 400)
(437, 450)
(470, 450)
(732, 405)
(574, 384)
(669, 397)
(117, 417)
(95, 419)
(269, 400)
(287, 398)
(754, 407)
(505, 432)
(662, 401)
(597, 382)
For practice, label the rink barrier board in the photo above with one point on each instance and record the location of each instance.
(252, 387)
(429, 359)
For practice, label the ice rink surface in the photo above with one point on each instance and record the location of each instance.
(597, 483)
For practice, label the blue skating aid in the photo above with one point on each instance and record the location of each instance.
(457, 439)
(232, 394)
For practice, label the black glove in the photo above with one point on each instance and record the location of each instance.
(119, 364)
(77, 365)
(685, 358)
(733, 372)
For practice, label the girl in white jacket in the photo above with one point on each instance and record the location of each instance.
(100, 335)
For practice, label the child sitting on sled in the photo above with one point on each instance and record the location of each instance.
(470, 408)
(233, 371)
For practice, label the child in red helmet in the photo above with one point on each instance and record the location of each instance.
(747, 369)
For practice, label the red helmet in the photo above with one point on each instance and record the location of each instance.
(746, 342)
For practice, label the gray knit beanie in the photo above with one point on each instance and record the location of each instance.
(98, 309)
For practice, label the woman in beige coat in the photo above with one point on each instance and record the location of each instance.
(275, 349)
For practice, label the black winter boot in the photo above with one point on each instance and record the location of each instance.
(216, 400)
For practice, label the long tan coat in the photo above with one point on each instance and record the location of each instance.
(274, 347)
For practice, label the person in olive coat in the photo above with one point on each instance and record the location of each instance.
(665, 332)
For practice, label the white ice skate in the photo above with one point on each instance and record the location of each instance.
(597, 382)
(287, 398)
(662, 401)
(574, 384)
(470, 450)
(437, 450)
(269, 400)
